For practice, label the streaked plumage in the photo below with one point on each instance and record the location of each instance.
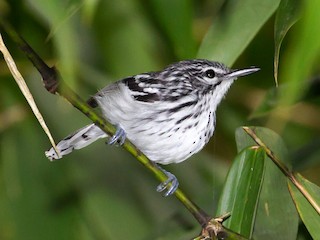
(169, 115)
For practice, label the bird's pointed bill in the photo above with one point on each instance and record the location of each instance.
(241, 72)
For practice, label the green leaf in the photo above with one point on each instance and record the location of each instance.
(231, 33)
(175, 18)
(57, 14)
(275, 200)
(308, 214)
(126, 41)
(302, 54)
(242, 189)
(287, 15)
(89, 9)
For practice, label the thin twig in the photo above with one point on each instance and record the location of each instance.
(25, 90)
(290, 174)
(55, 85)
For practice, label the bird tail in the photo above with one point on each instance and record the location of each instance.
(79, 139)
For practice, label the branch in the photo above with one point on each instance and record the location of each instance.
(55, 85)
(24, 89)
(285, 170)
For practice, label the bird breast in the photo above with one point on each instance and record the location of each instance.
(166, 132)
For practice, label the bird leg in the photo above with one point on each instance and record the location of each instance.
(172, 179)
(171, 183)
(119, 136)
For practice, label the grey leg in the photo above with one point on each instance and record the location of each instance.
(119, 136)
(165, 185)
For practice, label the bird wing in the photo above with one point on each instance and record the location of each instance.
(145, 88)
(148, 88)
(151, 88)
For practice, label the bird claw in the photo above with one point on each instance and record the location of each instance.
(171, 183)
(119, 137)
(172, 179)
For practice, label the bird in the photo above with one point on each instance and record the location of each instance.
(169, 115)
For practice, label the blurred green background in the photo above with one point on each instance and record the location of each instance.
(102, 192)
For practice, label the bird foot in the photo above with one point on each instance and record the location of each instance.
(119, 137)
(171, 183)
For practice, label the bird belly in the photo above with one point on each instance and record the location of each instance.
(163, 141)
(162, 145)
(157, 133)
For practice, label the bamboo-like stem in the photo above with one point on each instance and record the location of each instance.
(285, 170)
(55, 85)
(77, 102)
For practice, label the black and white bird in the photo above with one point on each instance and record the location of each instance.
(169, 115)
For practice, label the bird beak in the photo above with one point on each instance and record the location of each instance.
(241, 72)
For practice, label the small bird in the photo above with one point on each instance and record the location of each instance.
(169, 115)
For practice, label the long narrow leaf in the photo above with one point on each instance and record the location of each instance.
(230, 35)
(176, 22)
(275, 200)
(287, 15)
(242, 189)
(300, 60)
(308, 214)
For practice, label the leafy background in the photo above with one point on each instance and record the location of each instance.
(101, 192)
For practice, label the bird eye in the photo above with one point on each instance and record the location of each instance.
(210, 73)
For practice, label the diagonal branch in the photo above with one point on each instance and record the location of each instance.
(285, 170)
(55, 85)
(24, 89)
